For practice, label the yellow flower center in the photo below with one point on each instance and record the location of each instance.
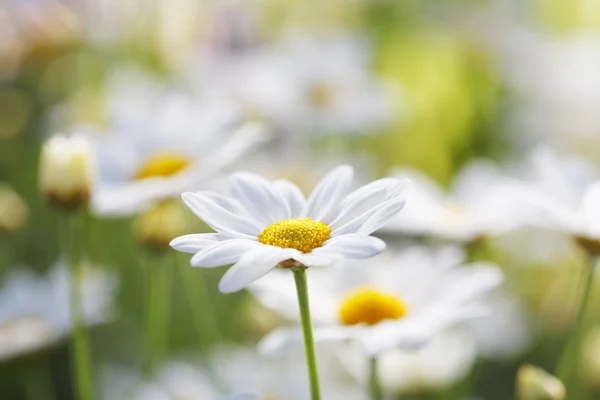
(370, 306)
(320, 96)
(162, 164)
(300, 234)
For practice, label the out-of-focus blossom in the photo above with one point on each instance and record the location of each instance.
(559, 196)
(303, 86)
(445, 360)
(13, 209)
(162, 142)
(161, 223)
(397, 301)
(271, 223)
(534, 383)
(35, 313)
(66, 171)
(232, 373)
(475, 207)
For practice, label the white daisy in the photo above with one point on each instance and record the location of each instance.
(162, 142)
(271, 223)
(447, 359)
(35, 312)
(304, 85)
(562, 196)
(398, 300)
(473, 208)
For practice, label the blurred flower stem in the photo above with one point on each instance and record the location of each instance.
(72, 241)
(198, 296)
(309, 343)
(374, 386)
(568, 358)
(158, 305)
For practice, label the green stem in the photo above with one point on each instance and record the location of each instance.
(568, 358)
(309, 343)
(374, 385)
(158, 309)
(198, 296)
(80, 349)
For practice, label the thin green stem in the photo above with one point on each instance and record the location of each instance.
(80, 349)
(309, 343)
(568, 358)
(198, 296)
(374, 385)
(158, 307)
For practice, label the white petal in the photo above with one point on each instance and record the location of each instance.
(325, 199)
(590, 209)
(283, 340)
(353, 246)
(195, 242)
(368, 197)
(259, 197)
(218, 217)
(372, 219)
(469, 282)
(223, 253)
(293, 195)
(252, 265)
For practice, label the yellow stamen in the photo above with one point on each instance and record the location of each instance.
(320, 96)
(162, 164)
(370, 306)
(300, 234)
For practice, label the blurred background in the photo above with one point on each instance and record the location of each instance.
(385, 85)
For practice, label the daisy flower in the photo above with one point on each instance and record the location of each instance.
(162, 142)
(474, 207)
(270, 223)
(35, 313)
(396, 301)
(561, 195)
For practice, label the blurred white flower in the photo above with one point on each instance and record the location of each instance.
(445, 360)
(304, 85)
(35, 312)
(475, 207)
(66, 170)
(231, 373)
(562, 196)
(271, 223)
(398, 300)
(162, 142)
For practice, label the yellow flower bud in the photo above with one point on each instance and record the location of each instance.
(534, 383)
(13, 209)
(163, 222)
(65, 174)
(590, 359)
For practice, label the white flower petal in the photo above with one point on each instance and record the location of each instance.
(259, 197)
(466, 283)
(368, 197)
(219, 218)
(292, 194)
(327, 195)
(590, 209)
(252, 265)
(353, 246)
(372, 219)
(195, 242)
(322, 258)
(284, 340)
(223, 253)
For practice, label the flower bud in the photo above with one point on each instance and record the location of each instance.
(13, 209)
(65, 174)
(534, 383)
(590, 359)
(163, 222)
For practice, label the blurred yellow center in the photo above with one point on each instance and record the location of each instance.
(320, 96)
(300, 234)
(162, 164)
(370, 306)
